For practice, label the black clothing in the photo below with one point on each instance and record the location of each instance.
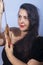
(37, 49)
(25, 53)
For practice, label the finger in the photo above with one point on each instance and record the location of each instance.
(6, 45)
(5, 35)
(11, 47)
(10, 35)
(13, 38)
(6, 39)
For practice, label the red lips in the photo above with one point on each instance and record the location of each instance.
(22, 26)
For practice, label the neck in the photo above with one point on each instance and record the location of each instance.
(23, 33)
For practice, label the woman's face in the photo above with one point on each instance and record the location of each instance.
(23, 20)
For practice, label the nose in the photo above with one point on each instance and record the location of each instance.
(22, 20)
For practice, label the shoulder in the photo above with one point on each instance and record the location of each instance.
(38, 42)
(39, 38)
(37, 49)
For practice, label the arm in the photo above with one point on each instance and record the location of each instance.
(33, 62)
(14, 60)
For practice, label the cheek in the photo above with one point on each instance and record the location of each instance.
(27, 24)
(19, 21)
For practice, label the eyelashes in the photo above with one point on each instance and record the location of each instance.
(25, 17)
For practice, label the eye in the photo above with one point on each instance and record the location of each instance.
(19, 16)
(25, 17)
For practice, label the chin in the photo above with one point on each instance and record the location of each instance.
(22, 29)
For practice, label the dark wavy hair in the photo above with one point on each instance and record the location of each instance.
(24, 45)
(33, 17)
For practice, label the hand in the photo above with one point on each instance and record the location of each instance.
(12, 37)
(8, 50)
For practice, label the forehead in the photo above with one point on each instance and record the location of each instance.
(22, 12)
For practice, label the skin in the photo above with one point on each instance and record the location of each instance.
(22, 20)
(1, 6)
(1, 13)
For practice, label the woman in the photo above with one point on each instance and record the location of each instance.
(27, 48)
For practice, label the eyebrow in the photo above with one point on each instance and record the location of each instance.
(21, 15)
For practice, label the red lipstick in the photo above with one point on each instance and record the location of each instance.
(22, 26)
